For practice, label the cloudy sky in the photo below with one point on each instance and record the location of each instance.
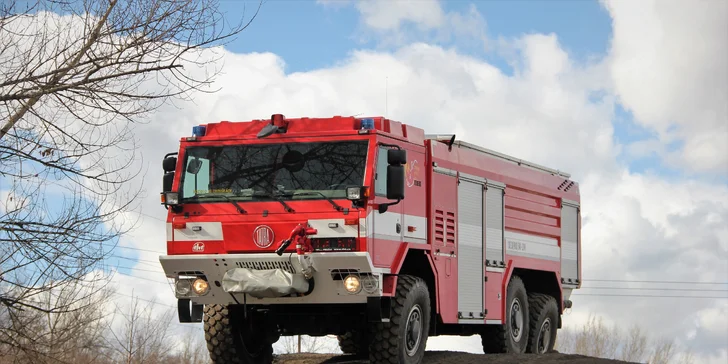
(630, 97)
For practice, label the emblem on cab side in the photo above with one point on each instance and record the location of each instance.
(198, 247)
(263, 236)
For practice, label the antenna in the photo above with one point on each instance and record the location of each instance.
(386, 96)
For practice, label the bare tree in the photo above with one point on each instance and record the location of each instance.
(194, 350)
(309, 344)
(635, 345)
(43, 336)
(76, 76)
(596, 339)
(662, 351)
(144, 337)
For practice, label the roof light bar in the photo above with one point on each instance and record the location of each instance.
(367, 124)
(198, 131)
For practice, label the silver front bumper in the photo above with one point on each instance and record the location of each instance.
(268, 276)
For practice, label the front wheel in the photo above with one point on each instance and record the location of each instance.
(354, 343)
(233, 339)
(402, 340)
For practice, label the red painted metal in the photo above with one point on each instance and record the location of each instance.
(494, 296)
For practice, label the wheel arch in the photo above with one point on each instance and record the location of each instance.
(544, 282)
(417, 263)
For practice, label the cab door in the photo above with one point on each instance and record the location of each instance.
(414, 205)
(387, 227)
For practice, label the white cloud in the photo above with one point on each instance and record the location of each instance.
(397, 23)
(389, 15)
(668, 62)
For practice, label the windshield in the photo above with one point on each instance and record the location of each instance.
(282, 171)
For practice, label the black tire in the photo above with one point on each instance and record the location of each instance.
(389, 341)
(230, 339)
(512, 336)
(354, 343)
(544, 323)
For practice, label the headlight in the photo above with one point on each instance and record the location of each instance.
(352, 284)
(370, 283)
(171, 198)
(200, 287)
(353, 193)
(182, 287)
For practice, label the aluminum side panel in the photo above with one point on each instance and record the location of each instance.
(470, 250)
(532, 246)
(494, 225)
(569, 243)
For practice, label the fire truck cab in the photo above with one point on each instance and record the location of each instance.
(368, 229)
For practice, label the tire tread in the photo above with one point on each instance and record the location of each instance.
(220, 337)
(539, 304)
(494, 338)
(384, 346)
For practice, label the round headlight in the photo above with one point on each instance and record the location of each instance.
(200, 287)
(182, 287)
(370, 283)
(352, 284)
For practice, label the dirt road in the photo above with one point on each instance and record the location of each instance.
(446, 357)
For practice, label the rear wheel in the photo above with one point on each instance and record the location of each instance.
(512, 336)
(402, 340)
(233, 339)
(544, 323)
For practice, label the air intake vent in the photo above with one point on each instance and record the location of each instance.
(444, 227)
(268, 264)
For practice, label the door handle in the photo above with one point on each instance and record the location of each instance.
(399, 227)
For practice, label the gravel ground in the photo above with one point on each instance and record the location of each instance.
(443, 357)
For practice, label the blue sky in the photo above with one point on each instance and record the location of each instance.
(308, 35)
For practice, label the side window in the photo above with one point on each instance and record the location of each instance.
(380, 180)
(197, 177)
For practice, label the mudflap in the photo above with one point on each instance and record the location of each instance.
(187, 314)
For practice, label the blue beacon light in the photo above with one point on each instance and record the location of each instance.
(198, 131)
(367, 124)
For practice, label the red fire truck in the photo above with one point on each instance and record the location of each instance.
(368, 229)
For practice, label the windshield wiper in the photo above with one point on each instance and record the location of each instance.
(273, 196)
(235, 203)
(310, 193)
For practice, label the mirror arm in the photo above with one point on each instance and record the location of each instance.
(391, 145)
(384, 206)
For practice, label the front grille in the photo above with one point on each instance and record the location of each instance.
(268, 264)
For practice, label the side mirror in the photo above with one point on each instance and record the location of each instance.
(395, 177)
(169, 164)
(396, 157)
(194, 166)
(395, 182)
(167, 181)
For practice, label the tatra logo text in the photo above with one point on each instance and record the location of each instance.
(263, 236)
